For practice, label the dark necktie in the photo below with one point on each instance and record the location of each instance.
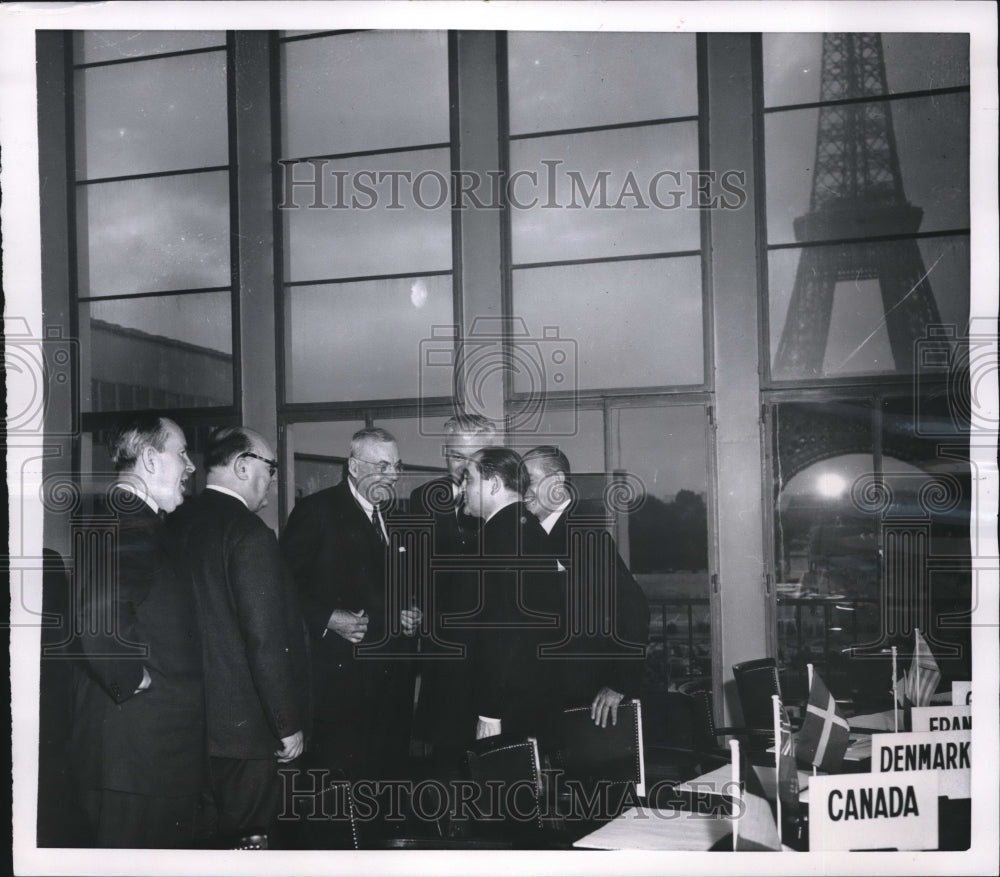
(161, 514)
(377, 525)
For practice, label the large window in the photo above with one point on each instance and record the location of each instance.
(367, 254)
(866, 155)
(866, 152)
(152, 195)
(605, 237)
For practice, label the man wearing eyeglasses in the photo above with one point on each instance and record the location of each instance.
(337, 545)
(253, 636)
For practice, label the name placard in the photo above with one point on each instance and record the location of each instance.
(946, 753)
(941, 718)
(961, 693)
(874, 811)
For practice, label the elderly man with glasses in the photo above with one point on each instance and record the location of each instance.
(337, 545)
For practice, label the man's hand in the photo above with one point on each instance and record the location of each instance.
(352, 626)
(487, 728)
(410, 619)
(291, 747)
(605, 702)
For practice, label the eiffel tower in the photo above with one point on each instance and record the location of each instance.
(857, 193)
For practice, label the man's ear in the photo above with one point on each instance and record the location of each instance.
(147, 456)
(240, 467)
(495, 485)
(352, 467)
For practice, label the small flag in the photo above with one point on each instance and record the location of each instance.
(825, 733)
(788, 773)
(921, 680)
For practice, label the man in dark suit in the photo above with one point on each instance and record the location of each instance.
(139, 712)
(253, 636)
(443, 721)
(357, 614)
(605, 655)
(516, 687)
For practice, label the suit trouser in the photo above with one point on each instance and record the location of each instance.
(246, 793)
(128, 820)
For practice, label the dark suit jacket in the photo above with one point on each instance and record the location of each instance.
(521, 604)
(153, 742)
(362, 694)
(445, 716)
(253, 636)
(606, 612)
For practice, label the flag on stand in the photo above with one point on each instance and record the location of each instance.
(921, 680)
(788, 772)
(825, 733)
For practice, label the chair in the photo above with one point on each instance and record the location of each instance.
(512, 767)
(324, 820)
(601, 768)
(613, 754)
(756, 681)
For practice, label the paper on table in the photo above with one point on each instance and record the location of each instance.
(649, 829)
(873, 721)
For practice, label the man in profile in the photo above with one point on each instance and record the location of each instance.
(516, 689)
(604, 655)
(357, 614)
(139, 706)
(253, 637)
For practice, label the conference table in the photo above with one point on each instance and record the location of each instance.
(707, 826)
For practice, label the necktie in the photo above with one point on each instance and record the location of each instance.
(377, 525)
(161, 514)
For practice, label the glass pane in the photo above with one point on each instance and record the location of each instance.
(354, 341)
(394, 226)
(319, 451)
(913, 62)
(160, 115)
(111, 45)
(620, 324)
(362, 91)
(153, 235)
(665, 539)
(170, 352)
(932, 144)
(578, 433)
(573, 80)
(825, 326)
(826, 552)
(604, 194)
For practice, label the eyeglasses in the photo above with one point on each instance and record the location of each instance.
(272, 465)
(383, 466)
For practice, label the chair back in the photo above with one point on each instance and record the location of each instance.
(756, 681)
(516, 764)
(323, 820)
(613, 754)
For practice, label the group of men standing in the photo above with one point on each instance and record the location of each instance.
(215, 656)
